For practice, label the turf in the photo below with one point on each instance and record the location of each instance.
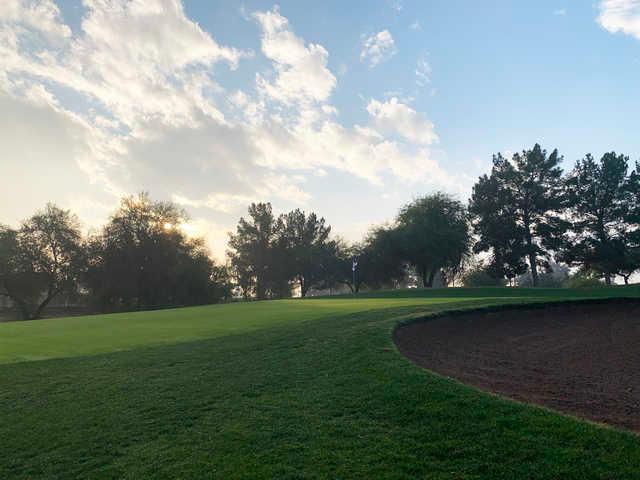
(90, 335)
(291, 389)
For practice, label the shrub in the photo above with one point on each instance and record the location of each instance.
(479, 277)
(580, 280)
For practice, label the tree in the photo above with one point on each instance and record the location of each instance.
(494, 222)
(378, 262)
(602, 201)
(194, 279)
(304, 243)
(251, 249)
(336, 265)
(528, 189)
(433, 233)
(555, 276)
(380, 259)
(631, 263)
(142, 259)
(632, 218)
(281, 263)
(40, 260)
(222, 283)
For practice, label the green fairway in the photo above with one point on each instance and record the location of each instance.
(285, 389)
(74, 336)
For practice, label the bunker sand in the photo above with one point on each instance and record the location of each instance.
(581, 359)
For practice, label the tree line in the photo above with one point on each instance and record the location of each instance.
(522, 217)
(270, 255)
(140, 259)
(527, 212)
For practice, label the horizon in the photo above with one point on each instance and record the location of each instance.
(350, 114)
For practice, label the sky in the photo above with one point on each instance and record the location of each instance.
(348, 109)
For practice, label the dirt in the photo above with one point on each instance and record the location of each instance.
(581, 359)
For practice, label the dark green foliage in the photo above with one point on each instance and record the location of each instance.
(222, 283)
(432, 234)
(252, 250)
(480, 276)
(40, 260)
(303, 248)
(556, 276)
(515, 210)
(495, 222)
(380, 259)
(379, 264)
(141, 259)
(582, 280)
(603, 201)
(337, 265)
(271, 254)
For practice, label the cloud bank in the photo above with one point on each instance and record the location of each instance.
(131, 101)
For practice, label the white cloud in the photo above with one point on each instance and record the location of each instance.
(130, 102)
(39, 147)
(273, 186)
(40, 15)
(561, 12)
(394, 116)
(134, 58)
(301, 71)
(423, 72)
(620, 16)
(378, 48)
(222, 202)
(415, 26)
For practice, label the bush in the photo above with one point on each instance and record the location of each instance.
(479, 277)
(580, 280)
(554, 278)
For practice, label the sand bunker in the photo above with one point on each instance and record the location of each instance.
(581, 358)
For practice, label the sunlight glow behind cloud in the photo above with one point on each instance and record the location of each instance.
(134, 95)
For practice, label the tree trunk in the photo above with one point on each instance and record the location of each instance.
(303, 287)
(534, 269)
(432, 275)
(427, 277)
(259, 289)
(607, 278)
(43, 305)
(24, 310)
(423, 275)
(532, 255)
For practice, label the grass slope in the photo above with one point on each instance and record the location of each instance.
(89, 335)
(272, 394)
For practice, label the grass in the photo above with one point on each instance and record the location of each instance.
(287, 389)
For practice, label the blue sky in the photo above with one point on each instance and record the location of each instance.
(349, 109)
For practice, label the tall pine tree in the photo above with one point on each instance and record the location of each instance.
(516, 208)
(603, 206)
